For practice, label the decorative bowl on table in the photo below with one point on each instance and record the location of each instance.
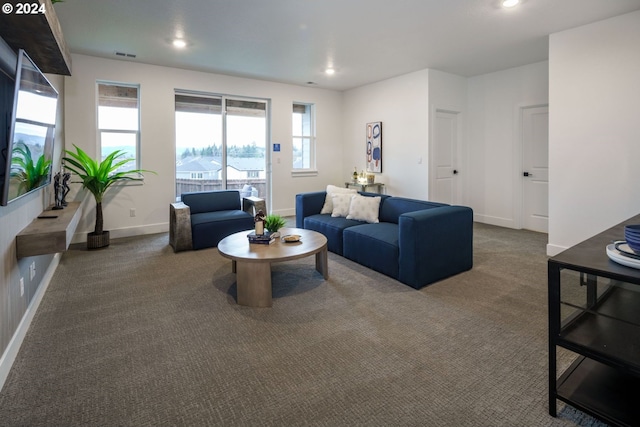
(632, 236)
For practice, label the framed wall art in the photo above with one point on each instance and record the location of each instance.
(374, 147)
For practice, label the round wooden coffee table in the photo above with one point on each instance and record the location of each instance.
(252, 261)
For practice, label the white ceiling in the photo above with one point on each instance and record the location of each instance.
(293, 41)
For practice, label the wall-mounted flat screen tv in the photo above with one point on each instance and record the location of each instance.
(29, 154)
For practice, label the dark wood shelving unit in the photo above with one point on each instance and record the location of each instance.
(603, 330)
(40, 35)
(603, 391)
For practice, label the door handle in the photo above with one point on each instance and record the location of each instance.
(527, 174)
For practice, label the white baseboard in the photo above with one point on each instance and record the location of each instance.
(162, 227)
(286, 212)
(494, 220)
(11, 352)
(115, 233)
(553, 250)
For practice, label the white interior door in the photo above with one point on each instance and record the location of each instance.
(535, 175)
(444, 187)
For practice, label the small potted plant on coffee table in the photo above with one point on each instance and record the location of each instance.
(273, 223)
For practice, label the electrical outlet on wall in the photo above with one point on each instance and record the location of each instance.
(132, 212)
(22, 286)
(32, 270)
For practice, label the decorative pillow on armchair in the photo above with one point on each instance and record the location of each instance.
(246, 191)
(364, 208)
(341, 203)
(328, 202)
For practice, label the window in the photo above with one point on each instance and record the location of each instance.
(119, 121)
(303, 137)
(221, 141)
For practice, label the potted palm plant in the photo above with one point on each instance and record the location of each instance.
(98, 177)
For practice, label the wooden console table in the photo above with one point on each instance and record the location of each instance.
(376, 187)
(48, 234)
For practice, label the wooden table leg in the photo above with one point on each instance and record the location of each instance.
(253, 281)
(322, 263)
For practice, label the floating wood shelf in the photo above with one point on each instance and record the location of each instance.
(49, 235)
(40, 35)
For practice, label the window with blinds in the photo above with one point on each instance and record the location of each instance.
(119, 121)
(303, 133)
(198, 104)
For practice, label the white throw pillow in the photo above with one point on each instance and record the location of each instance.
(331, 189)
(364, 208)
(341, 203)
(246, 191)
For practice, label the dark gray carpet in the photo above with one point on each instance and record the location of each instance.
(136, 335)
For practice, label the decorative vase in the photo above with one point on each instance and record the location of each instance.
(97, 241)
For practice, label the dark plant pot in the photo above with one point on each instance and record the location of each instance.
(97, 241)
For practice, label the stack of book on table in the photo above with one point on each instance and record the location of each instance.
(263, 239)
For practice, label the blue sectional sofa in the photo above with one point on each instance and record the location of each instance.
(215, 215)
(415, 242)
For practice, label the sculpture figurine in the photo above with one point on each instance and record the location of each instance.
(57, 191)
(65, 187)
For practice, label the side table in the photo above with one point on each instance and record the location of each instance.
(180, 227)
(253, 204)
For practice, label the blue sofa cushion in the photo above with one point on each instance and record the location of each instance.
(393, 207)
(208, 228)
(331, 227)
(222, 216)
(210, 201)
(375, 246)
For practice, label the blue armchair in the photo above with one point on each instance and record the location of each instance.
(204, 218)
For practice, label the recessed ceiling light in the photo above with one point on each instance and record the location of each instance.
(330, 71)
(179, 43)
(510, 3)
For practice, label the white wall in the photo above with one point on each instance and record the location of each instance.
(493, 142)
(157, 85)
(402, 104)
(489, 156)
(594, 129)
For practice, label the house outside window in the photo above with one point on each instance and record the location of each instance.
(303, 133)
(119, 121)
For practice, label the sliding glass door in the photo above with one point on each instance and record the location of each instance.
(221, 143)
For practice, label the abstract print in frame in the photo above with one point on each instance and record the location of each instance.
(374, 147)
